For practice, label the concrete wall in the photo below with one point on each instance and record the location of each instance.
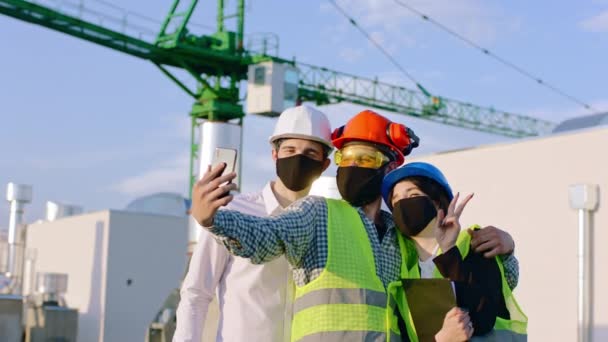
(121, 266)
(522, 187)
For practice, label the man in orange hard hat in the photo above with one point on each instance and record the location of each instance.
(344, 253)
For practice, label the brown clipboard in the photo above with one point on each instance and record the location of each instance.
(429, 300)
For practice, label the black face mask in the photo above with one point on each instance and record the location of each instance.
(299, 171)
(413, 214)
(359, 185)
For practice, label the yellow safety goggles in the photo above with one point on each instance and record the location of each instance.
(361, 156)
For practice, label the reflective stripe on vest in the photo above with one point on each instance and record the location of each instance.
(513, 329)
(340, 296)
(347, 302)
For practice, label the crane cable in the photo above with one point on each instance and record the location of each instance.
(489, 53)
(382, 49)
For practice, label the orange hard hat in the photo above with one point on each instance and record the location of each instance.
(369, 126)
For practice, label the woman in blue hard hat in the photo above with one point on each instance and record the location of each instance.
(427, 215)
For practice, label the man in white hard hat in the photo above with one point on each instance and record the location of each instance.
(255, 300)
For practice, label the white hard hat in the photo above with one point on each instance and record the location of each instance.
(303, 122)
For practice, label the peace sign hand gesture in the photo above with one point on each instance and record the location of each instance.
(448, 226)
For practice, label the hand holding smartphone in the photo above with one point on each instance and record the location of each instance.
(226, 156)
(206, 199)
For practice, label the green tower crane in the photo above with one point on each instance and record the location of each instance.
(219, 62)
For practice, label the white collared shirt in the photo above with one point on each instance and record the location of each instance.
(255, 301)
(427, 267)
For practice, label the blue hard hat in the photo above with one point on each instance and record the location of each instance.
(413, 169)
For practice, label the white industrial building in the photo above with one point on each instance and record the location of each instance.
(121, 266)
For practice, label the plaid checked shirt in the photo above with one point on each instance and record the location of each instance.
(300, 233)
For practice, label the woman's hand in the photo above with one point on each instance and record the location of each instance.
(457, 327)
(448, 226)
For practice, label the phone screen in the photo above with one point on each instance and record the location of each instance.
(224, 155)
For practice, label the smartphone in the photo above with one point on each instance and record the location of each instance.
(224, 155)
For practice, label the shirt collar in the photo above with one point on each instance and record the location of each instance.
(388, 220)
(385, 216)
(271, 203)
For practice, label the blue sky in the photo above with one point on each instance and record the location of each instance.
(87, 125)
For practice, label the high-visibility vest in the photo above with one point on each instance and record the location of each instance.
(348, 301)
(512, 329)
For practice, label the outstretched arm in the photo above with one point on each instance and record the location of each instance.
(259, 239)
(263, 239)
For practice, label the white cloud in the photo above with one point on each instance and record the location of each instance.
(326, 7)
(559, 114)
(379, 37)
(598, 23)
(397, 78)
(397, 29)
(429, 77)
(172, 127)
(474, 19)
(487, 79)
(337, 32)
(256, 165)
(433, 75)
(176, 125)
(171, 177)
(67, 160)
(407, 41)
(350, 55)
